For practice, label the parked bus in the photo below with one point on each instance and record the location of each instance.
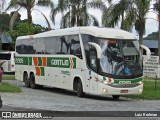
(92, 60)
(7, 61)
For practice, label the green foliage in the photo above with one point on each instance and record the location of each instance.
(152, 36)
(23, 29)
(4, 22)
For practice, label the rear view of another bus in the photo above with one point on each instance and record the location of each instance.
(7, 63)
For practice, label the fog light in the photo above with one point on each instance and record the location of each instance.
(105, 90)
(140, 90)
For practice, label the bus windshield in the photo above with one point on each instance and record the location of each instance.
(120, 57)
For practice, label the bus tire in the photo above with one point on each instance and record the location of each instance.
(115, 97)
(32, 81)
(80, 92)
(26, 80)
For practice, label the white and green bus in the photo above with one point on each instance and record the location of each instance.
(92, 60)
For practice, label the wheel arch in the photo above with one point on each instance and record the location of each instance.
(24, 73)
(75, 82)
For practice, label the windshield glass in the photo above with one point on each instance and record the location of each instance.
(120, 57)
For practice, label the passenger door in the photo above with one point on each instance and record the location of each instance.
(92, 76)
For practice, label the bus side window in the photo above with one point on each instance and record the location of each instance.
(40, 48)
(75, 47)
(18, 46)
(61, 47)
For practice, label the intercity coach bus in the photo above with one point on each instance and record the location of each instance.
(92, 60)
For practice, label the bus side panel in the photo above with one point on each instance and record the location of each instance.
(65, 78)
(52, 76)
(18, 72)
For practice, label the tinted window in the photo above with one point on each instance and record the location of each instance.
(69, 45)
(63, 45)
(75, 48)
(28, 46)
(24, 46)
(5, 56)
(40, 48)
(18, 46)
(51, 45)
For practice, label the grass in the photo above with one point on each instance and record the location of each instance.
(8, 77)
(6, 87)
(149, 91)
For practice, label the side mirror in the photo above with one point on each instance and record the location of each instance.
(148, 52)
(98, 49)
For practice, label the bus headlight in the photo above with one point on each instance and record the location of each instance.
(140, 82)
(105, 90)
(105, 82)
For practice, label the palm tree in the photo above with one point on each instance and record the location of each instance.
(75, 12)
(157, 9)
(28, 5)
(131, 13)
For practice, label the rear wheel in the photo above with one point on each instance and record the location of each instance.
(26, 80)
(115, 97)
(32, 82)
(80, 92)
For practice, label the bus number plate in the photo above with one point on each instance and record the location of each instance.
(124, 91)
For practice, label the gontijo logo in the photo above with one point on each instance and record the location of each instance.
(59, 62)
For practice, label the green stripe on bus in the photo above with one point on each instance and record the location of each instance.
(42, 71)
(21, 60)
(74, 61)
(131, 80)
(39, 61)
(30, 60)
(64, 62)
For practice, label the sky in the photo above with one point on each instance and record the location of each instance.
(151, 21)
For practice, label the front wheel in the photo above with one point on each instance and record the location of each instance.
(80, 92)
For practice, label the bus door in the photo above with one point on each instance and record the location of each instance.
(92, 76)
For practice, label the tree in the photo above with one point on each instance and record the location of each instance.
(23, 29)
(131, 13)
(75, 12)
(4, 20)
(29, 6)
(157, 9)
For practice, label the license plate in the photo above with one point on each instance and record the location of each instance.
(124, 91)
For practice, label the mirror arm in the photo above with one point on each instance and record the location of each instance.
(148, 52)
(98, 49)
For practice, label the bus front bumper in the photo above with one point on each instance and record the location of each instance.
(108, 90)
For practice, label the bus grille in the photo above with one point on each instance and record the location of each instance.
(124, 85)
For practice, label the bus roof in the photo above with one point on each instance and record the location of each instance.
(91, 30)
